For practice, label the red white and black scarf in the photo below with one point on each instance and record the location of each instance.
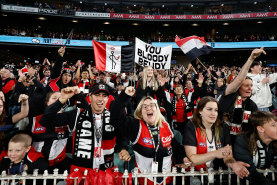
(175, 101)
(83, 150)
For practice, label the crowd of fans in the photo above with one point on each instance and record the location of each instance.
(83, 6)
(29, 32)
(219, 113)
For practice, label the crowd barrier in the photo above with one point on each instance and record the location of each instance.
(204, 177)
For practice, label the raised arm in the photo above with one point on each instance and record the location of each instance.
(236, 83)
(78, 72)
(51, 118)
(127, 125)
(91, 75)
(56, 70)
(23, 98)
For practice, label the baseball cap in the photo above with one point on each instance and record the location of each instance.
(100, 87)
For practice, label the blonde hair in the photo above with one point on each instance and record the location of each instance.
(22, 138)
(159, 118)
(144, 79)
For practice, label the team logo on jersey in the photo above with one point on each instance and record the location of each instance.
(147, 141)
(202, 144)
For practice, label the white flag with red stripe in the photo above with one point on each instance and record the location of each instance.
(113, 58)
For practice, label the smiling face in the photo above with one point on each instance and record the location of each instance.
(149, 111)
(179, 90)
(149, 71)
(209, 113)
(245, 89)
(98, 102)
(17, 151)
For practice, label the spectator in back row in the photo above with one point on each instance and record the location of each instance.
(261, 93)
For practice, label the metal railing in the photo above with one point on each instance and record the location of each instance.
(204, 177)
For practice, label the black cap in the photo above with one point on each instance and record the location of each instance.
(100, 87)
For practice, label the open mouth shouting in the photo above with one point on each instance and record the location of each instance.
(150, 115)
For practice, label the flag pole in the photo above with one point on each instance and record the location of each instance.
(68, 38)
(199, 61)
(133, 75)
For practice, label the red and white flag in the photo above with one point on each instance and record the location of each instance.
(113, 58)
(193, 46)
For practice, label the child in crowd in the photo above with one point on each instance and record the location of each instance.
(21, 156)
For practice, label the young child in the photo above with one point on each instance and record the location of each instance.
(21, 156)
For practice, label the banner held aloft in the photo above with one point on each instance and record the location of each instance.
(149, 55)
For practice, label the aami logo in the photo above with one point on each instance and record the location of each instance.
(196, 17)
(147, 141)
(165, 17)
(149, 17)
(212, 17)
(229, 16)
(262, 14)
(133, 16)
(117, 15)
(180, 17)
(202, 144)
(275, 14)
(245, 15)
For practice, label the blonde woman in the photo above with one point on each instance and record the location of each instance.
(153, 140)
(148, 85)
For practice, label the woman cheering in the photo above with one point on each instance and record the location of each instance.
(151, 136)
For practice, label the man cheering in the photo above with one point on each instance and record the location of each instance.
(94, 129)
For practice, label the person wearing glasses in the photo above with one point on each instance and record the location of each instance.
(152, 138)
